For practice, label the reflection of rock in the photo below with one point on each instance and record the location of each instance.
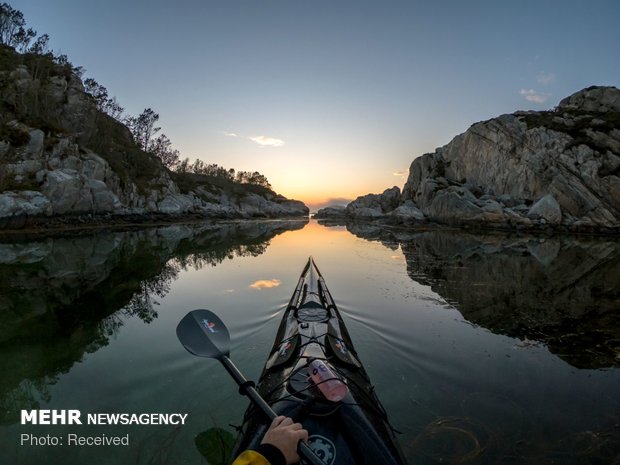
(564, 292)
(62, 297)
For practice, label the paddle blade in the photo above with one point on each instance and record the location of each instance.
(202, 333)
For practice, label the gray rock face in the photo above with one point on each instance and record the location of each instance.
(24, 203)
(594, 99)
(374, 205)
(337, 211)
(253, 205)
(565, 164)
(407, 212)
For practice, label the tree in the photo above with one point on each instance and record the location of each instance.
(245, 177)
(14, 34)
(162, 147)
(40, 45)
(22, 39)
(104, 103)
(11, 25)
(143, 128)
(183, 166)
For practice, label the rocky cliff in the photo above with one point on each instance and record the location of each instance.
(551, 169)
(61, 157)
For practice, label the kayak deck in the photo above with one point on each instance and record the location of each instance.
(354, 430)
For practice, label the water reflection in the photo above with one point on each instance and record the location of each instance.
(563, 292)
(63, 297)
(459, 390)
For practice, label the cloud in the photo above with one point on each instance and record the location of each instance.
(401, 173)
(268, 141)
(545, 78)
(260, 140)
(265, 284)
(532, 96)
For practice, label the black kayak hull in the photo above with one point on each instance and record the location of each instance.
(354, 430)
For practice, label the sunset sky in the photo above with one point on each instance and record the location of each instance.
(329, 99)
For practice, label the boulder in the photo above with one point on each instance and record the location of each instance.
(24, 203)
(407, 212)
(449, 206)
(34, 149)
(65, 191)
(175, 204)
(374, 205)
(104, 200)
(548, 209)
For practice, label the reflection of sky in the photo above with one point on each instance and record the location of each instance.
(331, 99)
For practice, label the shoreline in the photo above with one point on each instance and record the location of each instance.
(477, 228)
(76, 225)
(32, 227)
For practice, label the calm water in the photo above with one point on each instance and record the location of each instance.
(484, 349)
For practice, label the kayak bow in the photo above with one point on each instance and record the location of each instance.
(354, 430)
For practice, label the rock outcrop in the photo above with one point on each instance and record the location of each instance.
(374, 205)
(62, 157)
(552, 169)
(337, 211)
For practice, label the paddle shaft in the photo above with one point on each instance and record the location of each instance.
(247, 389)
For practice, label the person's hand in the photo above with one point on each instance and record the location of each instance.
(285, 435)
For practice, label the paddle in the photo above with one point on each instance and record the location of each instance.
(203, 334)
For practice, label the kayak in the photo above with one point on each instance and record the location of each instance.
(352, 430)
